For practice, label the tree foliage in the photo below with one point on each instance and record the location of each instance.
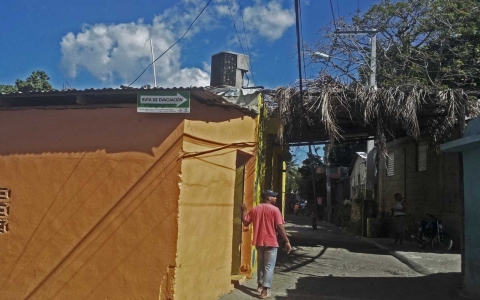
(428, 70)
(36, 82)
(305, 188)
(343, 154)
(433, 43)
(293, 177)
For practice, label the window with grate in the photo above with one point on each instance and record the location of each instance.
(391, 164)
(422, 156)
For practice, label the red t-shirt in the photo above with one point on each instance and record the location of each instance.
(265, 218)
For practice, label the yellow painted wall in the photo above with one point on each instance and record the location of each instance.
(247, 235)
(94, 203)
(103, 205)
(206, 204)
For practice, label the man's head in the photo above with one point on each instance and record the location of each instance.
(398, 197)
(269, 196)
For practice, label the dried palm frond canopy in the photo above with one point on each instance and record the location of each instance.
(338, 112)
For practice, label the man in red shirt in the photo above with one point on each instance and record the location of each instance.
(267, 221)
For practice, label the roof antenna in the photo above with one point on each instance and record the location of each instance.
(153, 64)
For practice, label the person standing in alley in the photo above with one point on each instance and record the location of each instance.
(313, 215)
(267, 221)
(399, 215)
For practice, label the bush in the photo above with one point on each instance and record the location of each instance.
(344, 214)
(349, 216)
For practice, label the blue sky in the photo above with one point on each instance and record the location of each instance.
(95, 44)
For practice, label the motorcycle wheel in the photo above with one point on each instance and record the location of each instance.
(441, 243)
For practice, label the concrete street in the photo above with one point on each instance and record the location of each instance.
(332, 264)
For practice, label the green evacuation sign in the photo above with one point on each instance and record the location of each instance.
(163, 102)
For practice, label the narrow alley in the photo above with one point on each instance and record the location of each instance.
(332, 264)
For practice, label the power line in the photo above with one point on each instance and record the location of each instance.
(297, 17)
(301, 40)
(246, 44)
(238, 36)
(181, 38)
(333, 14)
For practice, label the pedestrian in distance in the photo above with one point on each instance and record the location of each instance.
(303, 208)
(399, 213)
(296, 209)
(267, 221)
(313, 215)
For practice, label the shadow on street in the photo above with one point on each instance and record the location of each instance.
(333, 264)
(391, 288)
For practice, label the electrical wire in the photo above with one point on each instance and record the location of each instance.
(181, 38)
(333, 14)
(299, 55)
(301, 40)
(246, 44)
(238, 36)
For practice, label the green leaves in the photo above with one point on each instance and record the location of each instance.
(37, 82)
(428, 42)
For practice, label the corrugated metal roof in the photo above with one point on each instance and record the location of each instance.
(110, 96)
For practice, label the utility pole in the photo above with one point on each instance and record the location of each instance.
(313, 170)
(153, 64)
(373, 84)
(373, 52)
(329, 187)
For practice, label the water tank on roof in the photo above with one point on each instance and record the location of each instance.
(228, 68)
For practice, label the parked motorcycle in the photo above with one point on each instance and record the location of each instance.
(430, 231)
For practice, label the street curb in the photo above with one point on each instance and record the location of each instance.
(412, 265)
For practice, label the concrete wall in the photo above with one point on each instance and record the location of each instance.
(469, 145)
(358, 178)
(206, 204)
(437, 190)
(107, 203)
(94, 196)
(472, 226)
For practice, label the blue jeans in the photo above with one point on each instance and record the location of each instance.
(266, 258)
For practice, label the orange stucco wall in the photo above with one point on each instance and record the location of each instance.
(205, 230)
(94, 196)
(104, 206)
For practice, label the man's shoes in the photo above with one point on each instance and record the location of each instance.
(267, 295)
(262, 295)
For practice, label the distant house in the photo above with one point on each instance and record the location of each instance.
(358, 176)
(430, 181)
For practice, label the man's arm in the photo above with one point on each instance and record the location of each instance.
(283, 234)
(244, 214)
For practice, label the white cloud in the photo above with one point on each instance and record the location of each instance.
(120, 52)
(206, 67)
(189, 77)
(269, 21)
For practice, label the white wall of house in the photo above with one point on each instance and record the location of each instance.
(358, 177)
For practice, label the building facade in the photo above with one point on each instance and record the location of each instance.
(98, 201)
(430, 181)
